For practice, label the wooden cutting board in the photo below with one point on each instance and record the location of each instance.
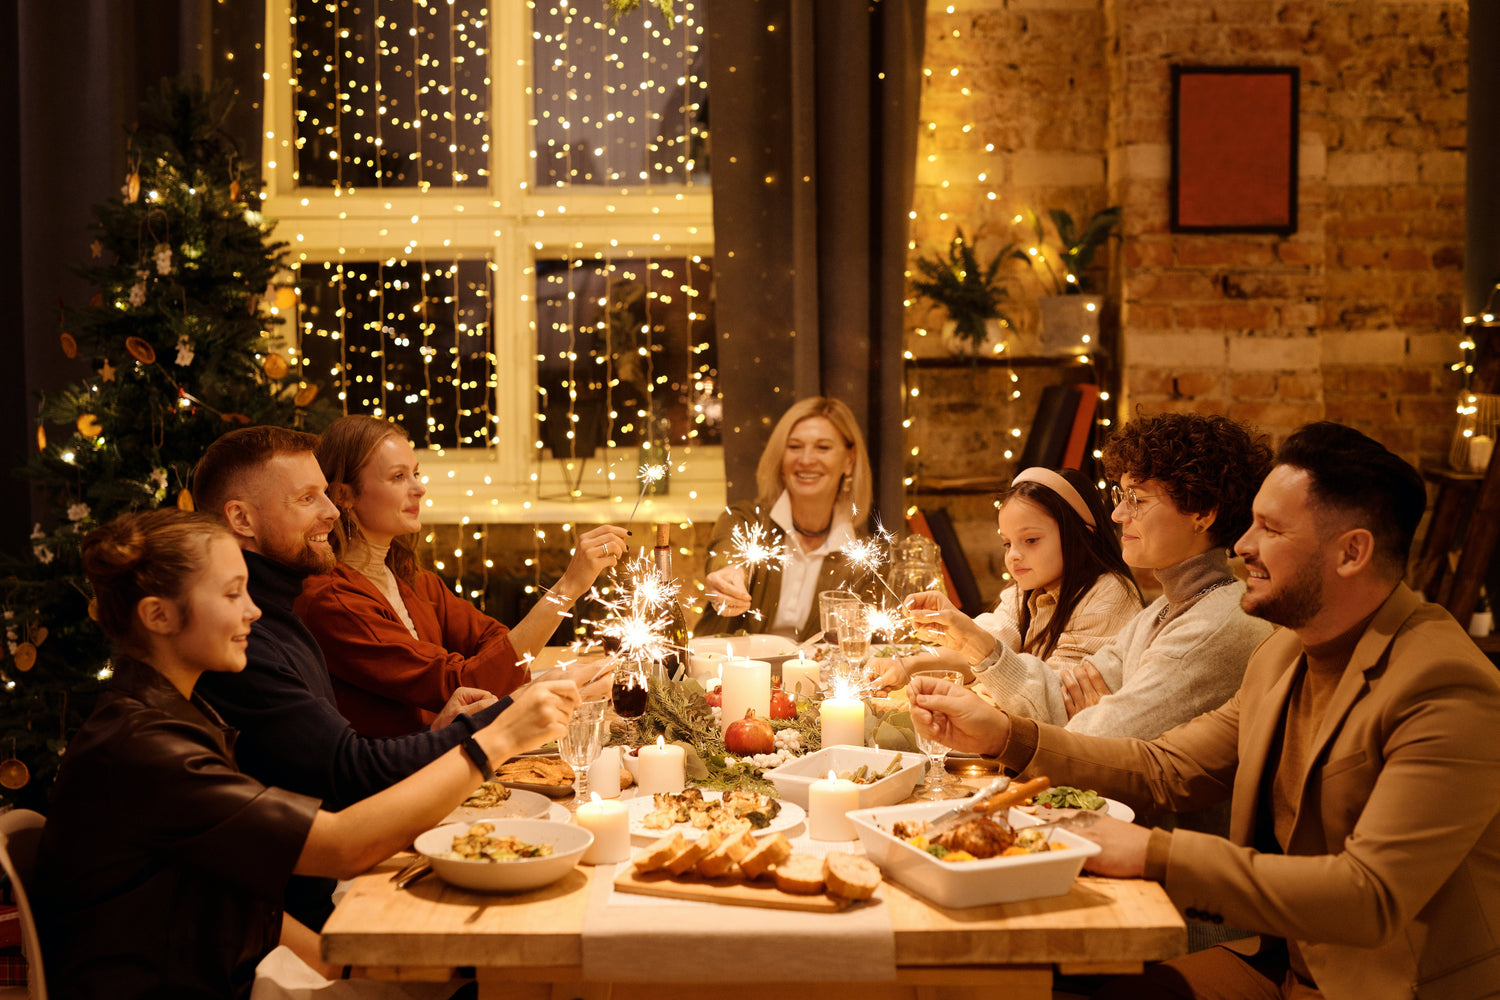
(730, 893)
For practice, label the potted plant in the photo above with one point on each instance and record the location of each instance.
(1070, 314)
(967, 289)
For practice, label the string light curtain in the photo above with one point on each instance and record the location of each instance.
(812, 190)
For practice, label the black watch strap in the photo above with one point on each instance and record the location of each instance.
(478, 756)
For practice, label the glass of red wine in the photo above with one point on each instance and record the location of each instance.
(630, 690)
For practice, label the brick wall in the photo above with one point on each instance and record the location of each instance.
(1355, 317)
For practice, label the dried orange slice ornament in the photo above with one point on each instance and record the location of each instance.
(140, 350)
(89, 426)
(305, 395)
(275, 366)
(69, 344)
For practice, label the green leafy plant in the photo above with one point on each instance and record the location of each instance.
(1078, 248)
(967, 289)
(620, 7)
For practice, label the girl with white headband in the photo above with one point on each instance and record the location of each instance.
(1073, 591)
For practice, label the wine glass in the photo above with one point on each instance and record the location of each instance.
(853, 625)
(939, 784)
(629, 691)
(580, 743)
(829, 601)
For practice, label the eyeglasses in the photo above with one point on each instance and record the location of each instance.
(1129, 497)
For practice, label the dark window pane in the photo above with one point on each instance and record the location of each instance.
(625, 346)
(391, 93)
(619, 103)
(406, 341)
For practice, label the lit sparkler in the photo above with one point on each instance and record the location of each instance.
(649, 476)
(635, 621)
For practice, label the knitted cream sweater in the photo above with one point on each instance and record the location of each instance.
(1183, 655)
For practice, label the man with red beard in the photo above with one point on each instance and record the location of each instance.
(266, 484)
(1358, 756)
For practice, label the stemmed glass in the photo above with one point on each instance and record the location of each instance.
(939, 784)
(630, 690)
(853, 626)
(580, 744)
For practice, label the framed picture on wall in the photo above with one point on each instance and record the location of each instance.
(1234, 149)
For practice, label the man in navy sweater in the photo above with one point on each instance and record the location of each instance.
(265, 482)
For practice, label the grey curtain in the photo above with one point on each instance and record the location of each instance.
(813, 119)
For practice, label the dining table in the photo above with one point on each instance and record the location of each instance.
(535, 944)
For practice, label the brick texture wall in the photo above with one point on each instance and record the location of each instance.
(1355, 317)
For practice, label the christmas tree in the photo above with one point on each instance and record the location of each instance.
(181, 340)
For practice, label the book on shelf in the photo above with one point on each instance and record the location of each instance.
(1087, 404)
(1060, 430)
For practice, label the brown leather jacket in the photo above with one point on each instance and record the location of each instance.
(161, 867)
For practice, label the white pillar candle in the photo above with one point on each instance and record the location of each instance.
(1481, 447)
(609, 822)
(604, 774)
(828, 803)
(801, 672)
(843, 720)
(661, 768)
(746, 684)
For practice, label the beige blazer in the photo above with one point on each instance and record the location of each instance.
(1391, 881)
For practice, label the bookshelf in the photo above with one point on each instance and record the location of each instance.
(962, 414)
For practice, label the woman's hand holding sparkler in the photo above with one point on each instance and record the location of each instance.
(936, 620)
(597, 551)
(727, 589)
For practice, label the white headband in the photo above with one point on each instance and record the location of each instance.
(1057, 484)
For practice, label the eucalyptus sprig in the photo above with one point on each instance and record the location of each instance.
(967, 289)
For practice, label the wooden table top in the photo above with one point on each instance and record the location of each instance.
(1101, 924)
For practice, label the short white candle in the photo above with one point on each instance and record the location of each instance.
(746, 684)
(609, 822)
(1481, 447)
(842, 717)
(828, 803)
(803, 673)
(604, 774)
(661, 768)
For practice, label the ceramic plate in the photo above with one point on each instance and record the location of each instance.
(520, 805)
(1112, 807)
(790, 816)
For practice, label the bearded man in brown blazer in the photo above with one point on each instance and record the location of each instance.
(1359, 756)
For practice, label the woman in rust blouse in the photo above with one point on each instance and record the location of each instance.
(398, 641)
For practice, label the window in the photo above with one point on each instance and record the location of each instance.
(500, 221)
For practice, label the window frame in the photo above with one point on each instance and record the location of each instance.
(511, 223)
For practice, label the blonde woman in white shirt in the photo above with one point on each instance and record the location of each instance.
(814, 487)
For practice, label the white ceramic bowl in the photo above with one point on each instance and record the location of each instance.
(968, 883)
(568, 844)
(793, 778)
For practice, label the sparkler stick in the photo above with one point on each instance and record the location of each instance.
(649, 475)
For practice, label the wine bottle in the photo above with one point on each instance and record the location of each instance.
(675, 630)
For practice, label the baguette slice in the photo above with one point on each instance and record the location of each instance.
(720, 860)
(655, 857)
(695, 851)
(767, 853)
(801, 874)
(850, 876)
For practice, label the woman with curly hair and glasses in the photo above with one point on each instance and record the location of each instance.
(1184, 484)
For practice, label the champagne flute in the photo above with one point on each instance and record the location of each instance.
(853, 627)
(939, 784)
(580, 744)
